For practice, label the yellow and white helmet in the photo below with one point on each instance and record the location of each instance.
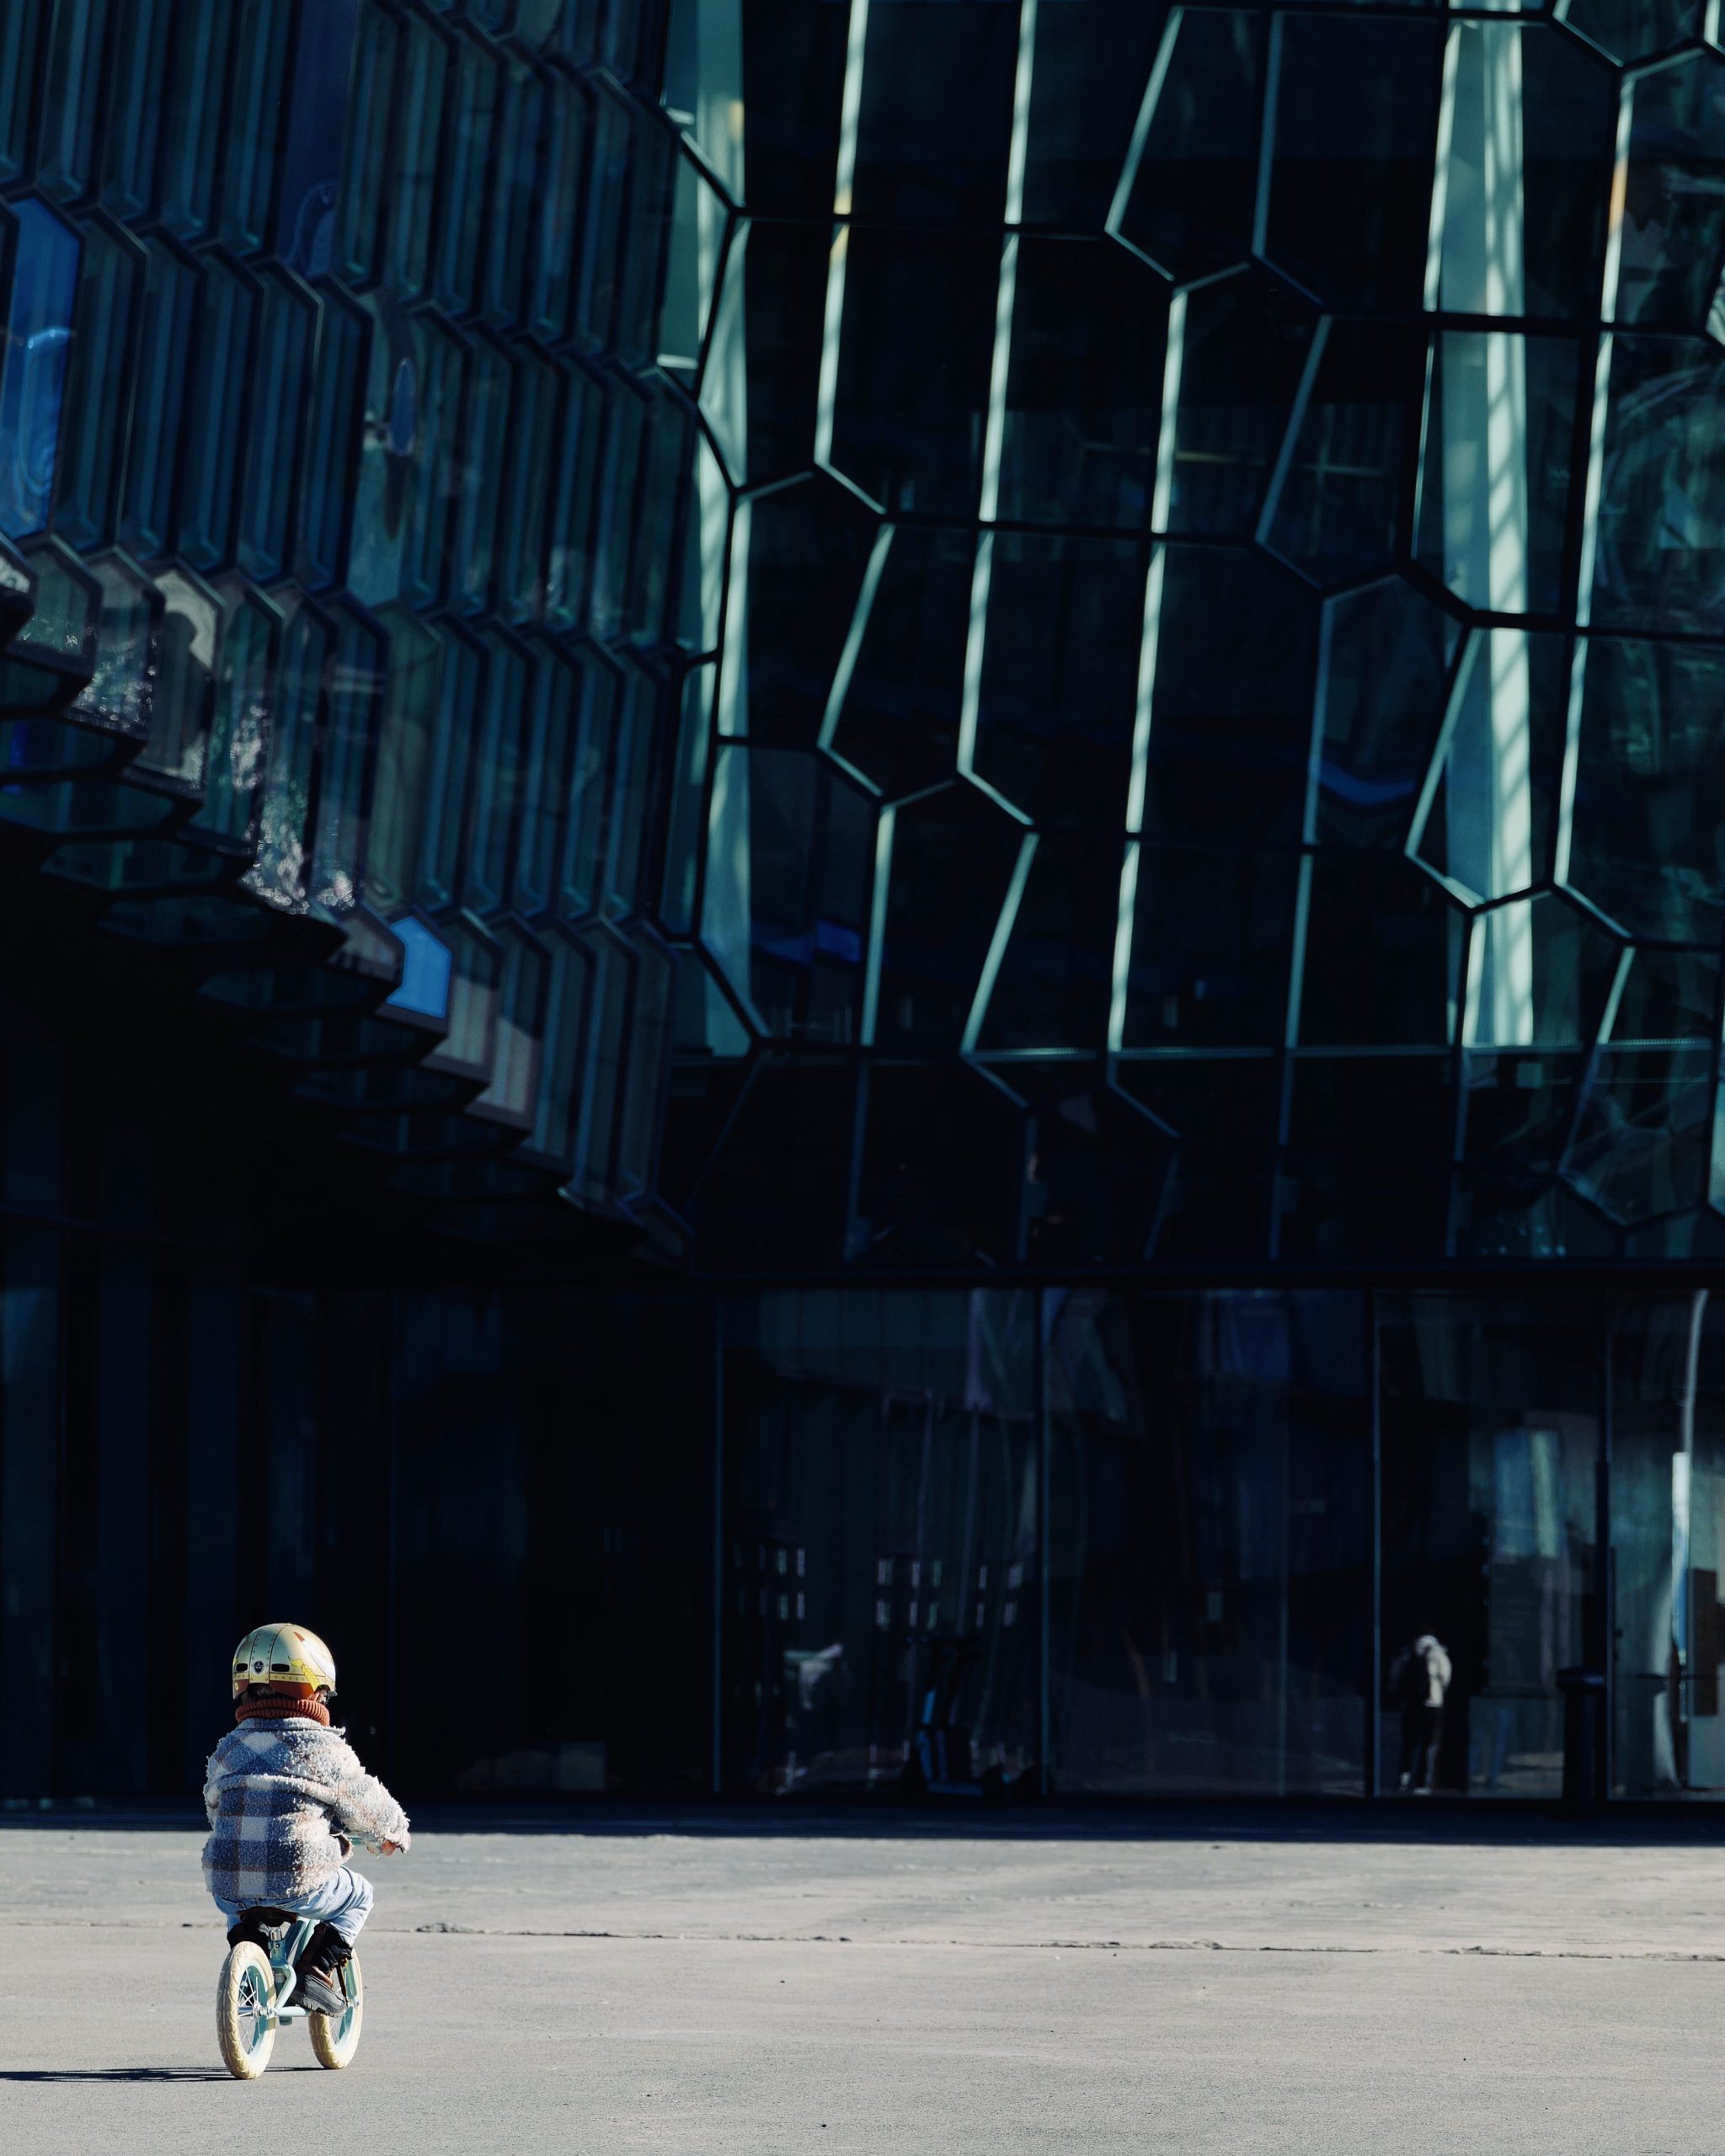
(287, 1658)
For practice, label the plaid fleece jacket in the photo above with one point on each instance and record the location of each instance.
(278, 1795)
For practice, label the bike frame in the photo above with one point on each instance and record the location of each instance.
(284, 1953)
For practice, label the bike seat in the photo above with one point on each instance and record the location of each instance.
(264, 1919)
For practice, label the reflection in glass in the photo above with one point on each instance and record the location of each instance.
(1673, 224)
(1660, 556)
(880, 1587)
(1648, 844)
(45, 260)
(1668, 1546)
(1208, 1535)
(1490, 1437)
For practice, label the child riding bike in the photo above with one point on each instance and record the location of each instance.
(287, 1798)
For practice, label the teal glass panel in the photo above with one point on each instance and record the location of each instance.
(45, 258)
(286, 329)
(333, 439)
(192, 124)
(1660, 561)
(209, 493)
(93, 434)
(1647, 847)
(255, 113)
(128, 652)
(572, 496)
(486, 429)
(66, 148)
(608, 593)
(464, 158)
(138, 40)
(1673, 240)
(317, 97)
(521, 1017)
(589, 785)
(404, 757)
(497, 773)
(577, 31)
(359, 206)
(545, 790)
(568, 124)
(146, 512)
(180, 710)
(449, 771)
(277, 874)
(240, 720)
(442, 357)
(657, 506)
(23, 27)
(627, 816)
(652, 197)
(355, 697)
(1461, 517)
(424, 79)
(514, 186)
(521, 554)
(682, 850)
(384, 484)
(602, 241)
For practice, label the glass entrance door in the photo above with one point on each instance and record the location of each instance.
(1489, 1446)
(1668, 1545)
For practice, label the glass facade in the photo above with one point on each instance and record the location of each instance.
(1199, 745)
(339, 488)
(872, 853)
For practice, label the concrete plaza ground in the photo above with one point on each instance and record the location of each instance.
(1189, 1983)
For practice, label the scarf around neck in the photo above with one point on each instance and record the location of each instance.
(274, 1706)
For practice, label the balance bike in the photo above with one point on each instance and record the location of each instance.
(254, 1993)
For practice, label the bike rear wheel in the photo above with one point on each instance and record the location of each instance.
(335, 2037)
(245, 2003)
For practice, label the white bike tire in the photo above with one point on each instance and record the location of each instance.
(335, 2037)
(245, 1995)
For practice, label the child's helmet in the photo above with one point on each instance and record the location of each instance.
(286, 1658)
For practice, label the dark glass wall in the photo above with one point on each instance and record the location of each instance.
(339, 510)
(882, 1544)
(1211, 1537)
(1201, 737)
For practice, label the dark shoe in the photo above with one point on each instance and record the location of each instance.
(319, 1969)
(320, 1994)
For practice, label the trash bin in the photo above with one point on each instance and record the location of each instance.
(1583, 1737)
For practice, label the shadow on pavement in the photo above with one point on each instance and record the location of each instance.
(116, 2073)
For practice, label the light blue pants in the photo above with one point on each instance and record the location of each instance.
(343, 1901)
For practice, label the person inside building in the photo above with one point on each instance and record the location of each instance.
(1420, 1678)
(287, 1798)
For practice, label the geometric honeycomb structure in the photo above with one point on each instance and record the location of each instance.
(339, 503)
(1206, 591)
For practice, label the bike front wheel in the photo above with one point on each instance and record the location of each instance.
(335, 2037)
(245, 2009)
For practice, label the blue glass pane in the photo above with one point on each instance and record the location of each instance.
(45, 259)
(426, 960)
(67, 146)
(101, 369)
